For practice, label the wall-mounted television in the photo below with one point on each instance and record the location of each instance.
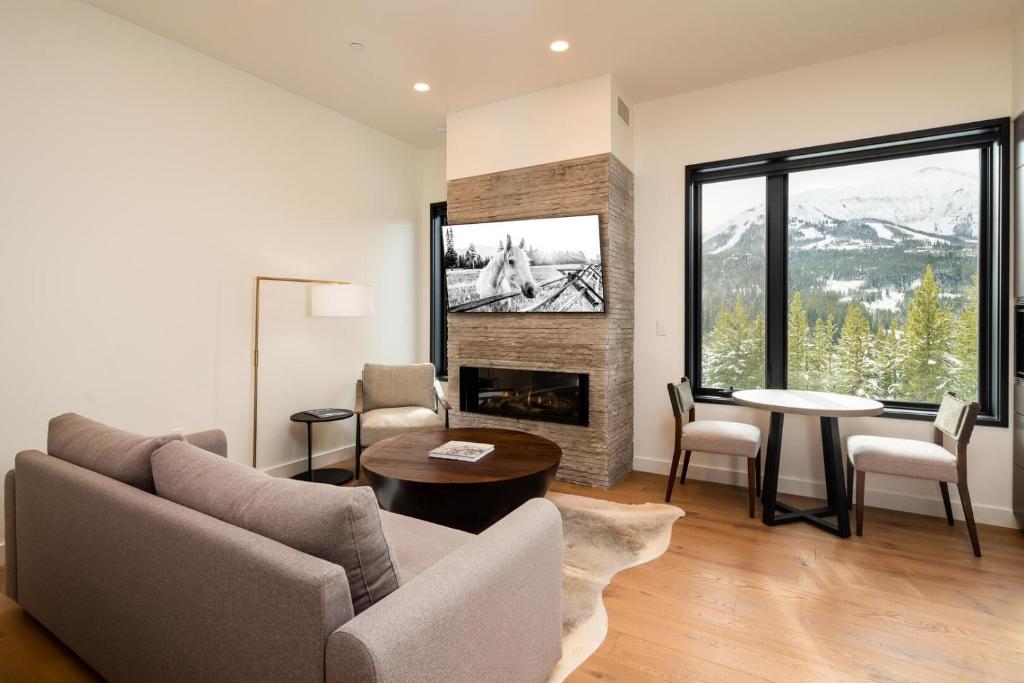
(541, 265)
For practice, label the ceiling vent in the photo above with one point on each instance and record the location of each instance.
(623, 111)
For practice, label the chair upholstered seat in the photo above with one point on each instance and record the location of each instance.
(725, 438)
(384, 423)
(901, 457)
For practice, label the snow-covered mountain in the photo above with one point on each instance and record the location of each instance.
(932, 206)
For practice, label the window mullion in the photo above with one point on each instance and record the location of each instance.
(776, 285)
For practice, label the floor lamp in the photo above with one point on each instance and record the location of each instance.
(328, 298)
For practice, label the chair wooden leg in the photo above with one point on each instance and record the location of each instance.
(944, 490)
(751, 484)
(757, 473)
(672, 474)
(686, 466)
(860, 503)
(965, 500)
(849, 483)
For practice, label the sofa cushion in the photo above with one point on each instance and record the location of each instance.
(416, 544)
(395, 386)
(118, 454)
(383, 423)
(340, 525)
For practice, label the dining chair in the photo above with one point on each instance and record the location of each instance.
(711, 436)
(922, 460)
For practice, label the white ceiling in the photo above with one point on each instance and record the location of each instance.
(477, 51)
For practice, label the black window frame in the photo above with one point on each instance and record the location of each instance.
(991, 137)
(438, 291)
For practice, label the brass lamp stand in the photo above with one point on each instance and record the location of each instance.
(352, 300)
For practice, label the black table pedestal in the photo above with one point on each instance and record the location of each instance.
(832, 456)
(333, 476)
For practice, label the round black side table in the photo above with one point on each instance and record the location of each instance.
(330, 475)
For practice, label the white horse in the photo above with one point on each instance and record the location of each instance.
(508, 268)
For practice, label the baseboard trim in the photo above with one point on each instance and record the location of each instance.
(889, 500)
(293, 467)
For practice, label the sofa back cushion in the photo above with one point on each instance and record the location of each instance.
(118, 454)
(340, 525)
(398, 386)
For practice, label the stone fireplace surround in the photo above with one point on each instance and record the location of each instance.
(599, 344)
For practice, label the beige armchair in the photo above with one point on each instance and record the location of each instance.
(397, 399)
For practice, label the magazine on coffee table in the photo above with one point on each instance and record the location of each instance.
(466, 451)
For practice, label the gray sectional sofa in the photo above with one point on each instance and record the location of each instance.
(102, 551)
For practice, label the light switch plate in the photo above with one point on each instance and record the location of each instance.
(659, 328)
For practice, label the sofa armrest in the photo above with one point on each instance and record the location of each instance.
(489, 611)
(10, 539)
(144, 589)
(213, 440)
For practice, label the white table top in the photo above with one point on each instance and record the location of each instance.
(819, 403)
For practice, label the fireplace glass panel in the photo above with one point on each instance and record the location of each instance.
(526, 394)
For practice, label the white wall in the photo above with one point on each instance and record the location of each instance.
(1018, 61)
(954, 79)
(142, 187)
(566, 122)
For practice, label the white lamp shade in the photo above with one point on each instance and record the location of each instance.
(340, 301)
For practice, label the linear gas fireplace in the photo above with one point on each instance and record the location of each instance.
(526, 394)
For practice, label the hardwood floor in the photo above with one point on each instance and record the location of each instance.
(733, 600)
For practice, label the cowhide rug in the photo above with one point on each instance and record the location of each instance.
(601, 538)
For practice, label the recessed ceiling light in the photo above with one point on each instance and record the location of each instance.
(559, 46)
(356, 47)
(421, 87)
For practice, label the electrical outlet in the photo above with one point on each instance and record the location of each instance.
(659, 328)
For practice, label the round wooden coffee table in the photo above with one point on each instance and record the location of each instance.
(463, 495)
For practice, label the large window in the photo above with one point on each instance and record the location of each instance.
(875, 268)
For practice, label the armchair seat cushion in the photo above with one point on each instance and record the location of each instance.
(724, 438)
(901, 457)
(384, 423)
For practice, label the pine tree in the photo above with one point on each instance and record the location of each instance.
(854, 357)
(927, 360)
(888, 364)
(821, 355)
(797, 341)
(451, 258)
(730, 359)
(965, 346)
(471, 256)
(754, 350)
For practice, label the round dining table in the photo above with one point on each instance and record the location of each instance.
(828, 407)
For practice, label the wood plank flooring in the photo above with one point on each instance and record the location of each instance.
(733, 600)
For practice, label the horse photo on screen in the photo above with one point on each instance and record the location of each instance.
(539, 266)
